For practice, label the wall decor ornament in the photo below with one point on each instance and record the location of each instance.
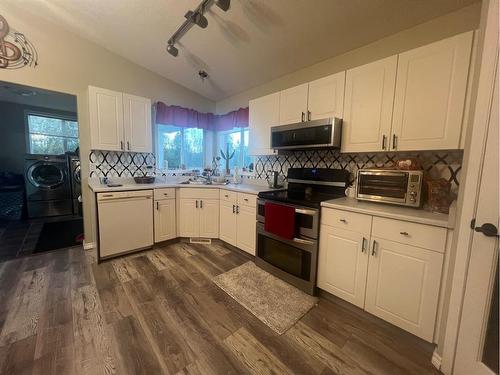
(16, 51)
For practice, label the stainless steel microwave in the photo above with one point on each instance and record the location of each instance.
(390, 186)
(308, 134)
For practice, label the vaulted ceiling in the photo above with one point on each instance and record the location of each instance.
(252, 43)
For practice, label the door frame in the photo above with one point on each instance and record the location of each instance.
(473, 162)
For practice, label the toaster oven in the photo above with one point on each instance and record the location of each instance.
(390, 186)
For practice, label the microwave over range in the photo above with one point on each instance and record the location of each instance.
(323, 133)
(390, 186)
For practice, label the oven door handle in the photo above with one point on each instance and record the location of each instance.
(305, 242)
(305, 212)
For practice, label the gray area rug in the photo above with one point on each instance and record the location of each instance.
(276, 303)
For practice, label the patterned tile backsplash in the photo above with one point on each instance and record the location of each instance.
(119, 164)
(437, 164)
(445, 164)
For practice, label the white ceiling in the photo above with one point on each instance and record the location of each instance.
(254, 42)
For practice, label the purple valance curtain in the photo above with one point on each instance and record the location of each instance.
(190, 118)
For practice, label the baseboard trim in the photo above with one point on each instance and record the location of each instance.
(436, 359)
(89, 245)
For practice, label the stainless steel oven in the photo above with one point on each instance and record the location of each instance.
(293, 260)
(390, 186)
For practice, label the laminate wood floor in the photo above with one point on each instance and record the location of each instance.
(157, 312)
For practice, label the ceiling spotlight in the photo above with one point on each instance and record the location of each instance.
(197, 18)
(172, 50)
(223, 4)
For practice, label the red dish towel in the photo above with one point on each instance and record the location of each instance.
(280, 220)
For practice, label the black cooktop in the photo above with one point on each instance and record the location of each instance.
(311, 186)
(309, 199)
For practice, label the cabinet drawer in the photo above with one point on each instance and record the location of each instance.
(346, 220)
(228, 196)
(421, 235)
(249, 200)
(198, 193)
(167, 193)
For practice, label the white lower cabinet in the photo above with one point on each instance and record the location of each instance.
(377, 266)
(343, 264)
(164, 219)
(246, 229)
(403, 286)
(198, 212)
(238, 220)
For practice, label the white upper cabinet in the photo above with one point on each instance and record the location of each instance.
(119, 122)
(326, 97)
(293, 104)
(369, 97)
(430, 95)
(264, 112)
(137, 123)
(106, 119)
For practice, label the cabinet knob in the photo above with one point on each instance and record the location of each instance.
(303, 117)
(363, 245)
(374, 248)
(308, 115)
(384, 142)
(404, 233)
(394, 141)
(343, 221)
(245, 199)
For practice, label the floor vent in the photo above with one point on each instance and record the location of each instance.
(204, 241)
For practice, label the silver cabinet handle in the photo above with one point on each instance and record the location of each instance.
(234, 209)
(394, 141)
(237, 209)
(227, 196)
(157, 206)
(201, 204)
(245, 199)
(121, 145)
(165, 194)
(303, 117)
(343, 221)
(374, 248)
(404, 233)
(128, 145)
(196, 203)
(384, 142)
(363, 245)
(308, 115)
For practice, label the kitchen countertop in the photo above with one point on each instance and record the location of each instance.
(393, 212)
(172, 182)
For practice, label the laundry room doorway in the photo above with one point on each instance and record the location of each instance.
(40, 186)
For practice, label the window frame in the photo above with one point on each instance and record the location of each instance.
(182, 156)
(63, 117)
(241, 130)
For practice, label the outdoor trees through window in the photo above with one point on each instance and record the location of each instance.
(179, 147)
(51, 135)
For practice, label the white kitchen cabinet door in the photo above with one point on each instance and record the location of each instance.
(189, 218)
(165, 221)
(369, 99)
(293, 104)
(343, 264)
(137, 123)
(106, 119)
(326, 96)
(430, 95)
(227, 222)
(247, 228)
(264, 112)
(209, 218)
(403, 286)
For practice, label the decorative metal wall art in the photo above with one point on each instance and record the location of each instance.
(16, 51)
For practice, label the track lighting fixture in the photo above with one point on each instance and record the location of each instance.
(195, 17)
(172, 50)
(223, 4)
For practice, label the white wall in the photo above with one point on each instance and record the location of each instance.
(457, 22)
(68, 63)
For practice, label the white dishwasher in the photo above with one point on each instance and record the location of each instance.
(125, 221)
